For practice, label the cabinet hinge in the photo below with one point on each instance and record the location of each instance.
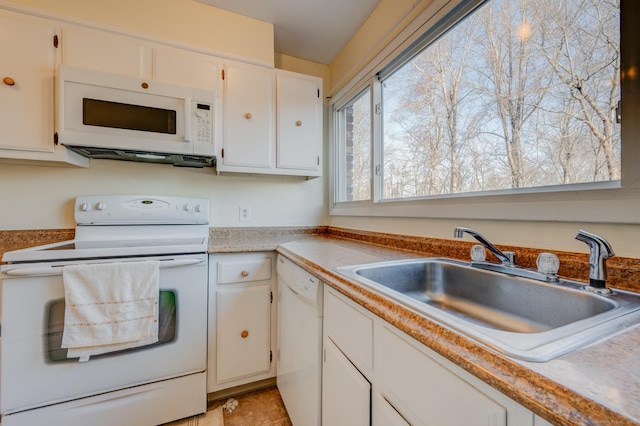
(55, 138)
(270, 297)
(318, 93)
(270, 356)
(618, 113)
(222, 73)
(55, 40)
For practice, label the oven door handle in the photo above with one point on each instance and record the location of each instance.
(57, 270)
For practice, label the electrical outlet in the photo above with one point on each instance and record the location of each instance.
(245, 214)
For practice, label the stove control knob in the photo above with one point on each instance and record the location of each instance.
(85, 207)
(188, 207)
(200, 208)
(101, 206)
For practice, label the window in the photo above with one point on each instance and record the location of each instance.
(497, 97)
(519, 94)
(354, 133)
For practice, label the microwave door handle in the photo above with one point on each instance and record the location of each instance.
(187, 119)
(57, 270)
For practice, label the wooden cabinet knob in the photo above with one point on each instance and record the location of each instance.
(298, 123)
(8, 81)
(248, 116)
(244, 334)
(244, 273)
(145, 85)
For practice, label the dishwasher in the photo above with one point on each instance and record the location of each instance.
(299, 376)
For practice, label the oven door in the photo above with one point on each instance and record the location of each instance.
(34, 370)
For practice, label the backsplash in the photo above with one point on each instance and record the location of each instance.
(623, 272)
(15, 240)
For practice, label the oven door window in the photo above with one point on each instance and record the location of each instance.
(128, 117)
(168, 312)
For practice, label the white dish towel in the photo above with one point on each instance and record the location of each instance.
(109, 307)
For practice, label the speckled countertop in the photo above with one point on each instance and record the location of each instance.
(597, 385)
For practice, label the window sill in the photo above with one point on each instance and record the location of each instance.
(600, 203)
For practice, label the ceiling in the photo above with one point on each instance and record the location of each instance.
(315, 30)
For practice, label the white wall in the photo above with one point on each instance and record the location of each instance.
(36, 197)
(39, 197)
(184, 21)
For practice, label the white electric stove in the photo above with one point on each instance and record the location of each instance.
(149, 385)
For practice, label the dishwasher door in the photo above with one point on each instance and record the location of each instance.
(300, 344)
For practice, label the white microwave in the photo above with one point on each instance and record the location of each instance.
(102, 115)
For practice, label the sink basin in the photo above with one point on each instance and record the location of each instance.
(520, 317)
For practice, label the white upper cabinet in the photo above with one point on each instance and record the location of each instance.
(185, 68)
(106, 52)
(28, 52)
(299, 112)
(112, 53)
(272, 122)
(248, 142)
(266, 121)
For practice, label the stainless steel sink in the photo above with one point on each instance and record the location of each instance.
(520, 317)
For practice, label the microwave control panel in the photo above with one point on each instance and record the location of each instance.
(203, 122)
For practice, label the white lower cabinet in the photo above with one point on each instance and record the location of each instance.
(410, 383)
(242, 319)
(347, 400)
(243, 327)
(384, 414)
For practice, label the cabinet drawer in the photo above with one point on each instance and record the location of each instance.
(240, 272)
(350, 329)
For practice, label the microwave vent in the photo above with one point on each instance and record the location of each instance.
(178, 160)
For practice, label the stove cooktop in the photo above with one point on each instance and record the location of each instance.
(112, 226)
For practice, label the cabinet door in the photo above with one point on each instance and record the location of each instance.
(26, 86)
(384, 414)
(424, 391)
(243, 315)
(106, 52)
(299, 112)
(249, 120)
(178, 66)
(346, 394)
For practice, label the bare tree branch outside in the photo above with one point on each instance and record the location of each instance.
(519, 94)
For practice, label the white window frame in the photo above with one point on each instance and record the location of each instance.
(602, 202)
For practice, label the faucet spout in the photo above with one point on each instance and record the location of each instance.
(599, 251)
(506, 260)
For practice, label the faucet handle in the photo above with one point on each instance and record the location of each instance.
(478, 253)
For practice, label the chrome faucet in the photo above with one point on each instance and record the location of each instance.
(507, 259)
(599, 251)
